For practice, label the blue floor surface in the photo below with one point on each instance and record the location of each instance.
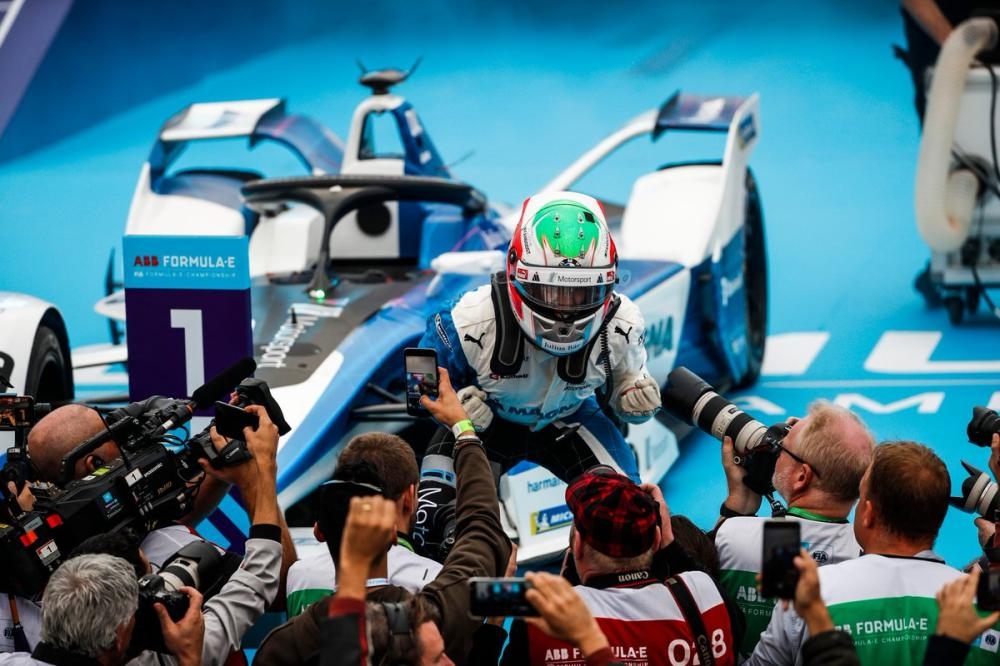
(835, 165)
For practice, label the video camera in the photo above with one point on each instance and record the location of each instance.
(694, 401)
(149, 485)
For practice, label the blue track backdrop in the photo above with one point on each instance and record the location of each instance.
(527, 87)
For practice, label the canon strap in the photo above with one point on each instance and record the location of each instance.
(508, 348)
(20, 638)
(682, 595)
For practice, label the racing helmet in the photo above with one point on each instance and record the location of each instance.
(561, 270)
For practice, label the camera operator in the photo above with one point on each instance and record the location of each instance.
(60, 431)
(247, 594)
(481, 549)
(820, 463)
(243, 599)
(886, 597)
(89, 614)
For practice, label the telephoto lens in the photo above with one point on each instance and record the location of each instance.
(979, 494)
(984, 424)
(694, 401)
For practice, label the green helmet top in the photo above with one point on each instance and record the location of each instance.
(567, 229)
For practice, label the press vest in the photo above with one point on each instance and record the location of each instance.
(740, 545)
(313, 578)
(645, 626)
(887, 604)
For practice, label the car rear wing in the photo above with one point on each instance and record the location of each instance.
(736, 116)
(319, 149)
(708, 113)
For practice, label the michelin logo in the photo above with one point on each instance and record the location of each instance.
(550, 519)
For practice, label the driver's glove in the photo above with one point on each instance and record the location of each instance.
(638, 399)
(473, 399)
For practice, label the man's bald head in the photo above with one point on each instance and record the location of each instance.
(60, 432)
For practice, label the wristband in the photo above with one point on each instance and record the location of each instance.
(465, 425)
(463, 442)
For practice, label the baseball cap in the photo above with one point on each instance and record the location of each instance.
(612, 514)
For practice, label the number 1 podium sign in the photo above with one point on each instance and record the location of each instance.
(187, 310)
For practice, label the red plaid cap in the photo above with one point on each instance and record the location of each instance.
(613, 515)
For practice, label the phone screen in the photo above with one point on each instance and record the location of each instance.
(779, 576)
(500, 597)
(421, 377)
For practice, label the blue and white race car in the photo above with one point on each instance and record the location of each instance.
(349, 261)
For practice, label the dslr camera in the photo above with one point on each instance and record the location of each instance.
(979, 490)
(984, 424)
(199, 565)
(694, 401)
(980, 495)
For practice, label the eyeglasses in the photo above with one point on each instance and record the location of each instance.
(801, 461)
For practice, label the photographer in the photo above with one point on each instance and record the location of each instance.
(62, 430)
(481, 549)
(243, 598)
(618, 529)
(88, 617)
(820, 463)
(985, 526)
(886, 596)
(248, 592)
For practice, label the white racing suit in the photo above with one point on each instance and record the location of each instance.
(544, 406)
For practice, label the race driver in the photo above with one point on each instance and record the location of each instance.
(539, 353)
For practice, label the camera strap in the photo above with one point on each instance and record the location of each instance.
(692, 614)
(17, 629)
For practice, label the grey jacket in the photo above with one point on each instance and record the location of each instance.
(229, 614)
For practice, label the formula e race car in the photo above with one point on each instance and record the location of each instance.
(349, 261)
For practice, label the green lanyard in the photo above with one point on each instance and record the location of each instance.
(402, 541)
(809, 515)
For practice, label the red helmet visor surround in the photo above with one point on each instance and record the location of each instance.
(561, 270)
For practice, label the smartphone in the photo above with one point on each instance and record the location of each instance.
(421, 377)
(988, 590)
(230, 420)
(782, 541)
(499, 597)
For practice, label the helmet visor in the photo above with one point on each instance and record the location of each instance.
(564, 302)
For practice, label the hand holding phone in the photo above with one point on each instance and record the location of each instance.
(492, 597)
(988, 590)
(230, 420)
(779, 576)
(421, 377)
